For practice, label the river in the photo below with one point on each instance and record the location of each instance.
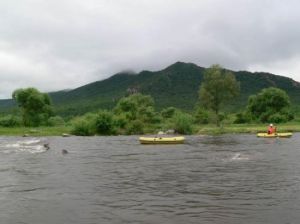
(221, 179)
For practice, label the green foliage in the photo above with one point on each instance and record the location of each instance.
(56, 121)
(134, 112)
(172, 88)
(128, 107)
(104, 123)
(168, 112)
(10, 121)
(84, 125)
(222, 116)
(278, 118)
(182, 123)
(202, 116)
(148, 115)
(175, 86)
(135, 127)
(242, 118)
(120, 121)
(129, 116)
(270, 105)
(35, 106)
(136, 106)
(219, 86)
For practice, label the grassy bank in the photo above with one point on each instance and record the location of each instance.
(245, 128)
(198, 129)
(37, 131)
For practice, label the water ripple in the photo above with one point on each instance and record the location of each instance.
(210, 179)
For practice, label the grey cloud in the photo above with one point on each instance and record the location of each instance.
(54, 45)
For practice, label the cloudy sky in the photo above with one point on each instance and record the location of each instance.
(62, 44)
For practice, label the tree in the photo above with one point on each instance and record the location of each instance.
(136, 107)
(35, 106)
(270, 105)
(168, 112)
(218, 86)
(104, 122)
(84, 125)
(182, 123)
(134, 112)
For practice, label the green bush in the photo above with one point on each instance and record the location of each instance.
(168, 112)
(135, 127)
(104, 123)
(10, 121)
(156, 119)
(148, 115)
(120, 121)
(242, 118)
(182, 123)
(270, 105)
(278, 118)
(56, 121)
(35, 106)
(136, 107)
(202, 116)
(83, 127)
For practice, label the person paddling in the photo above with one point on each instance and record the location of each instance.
(271, 129)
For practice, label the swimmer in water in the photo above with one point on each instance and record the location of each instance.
(64, 151)
(46, 145)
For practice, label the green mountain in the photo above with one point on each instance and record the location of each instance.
(176, 85)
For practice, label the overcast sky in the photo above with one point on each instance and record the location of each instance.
(63, 44)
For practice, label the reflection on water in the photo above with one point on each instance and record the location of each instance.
(221, 179)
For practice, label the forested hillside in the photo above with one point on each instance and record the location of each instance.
(176, 85)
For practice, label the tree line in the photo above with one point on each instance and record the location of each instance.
(136, 114)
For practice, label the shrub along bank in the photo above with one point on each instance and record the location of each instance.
(136, 114)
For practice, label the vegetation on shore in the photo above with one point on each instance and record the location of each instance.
(36, 131)
(136, 114)
(246, 128)
(177, 85)
(206, 129)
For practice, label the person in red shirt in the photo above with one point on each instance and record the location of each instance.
(271, 129)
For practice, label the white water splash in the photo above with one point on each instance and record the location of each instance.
(239, 156)
(28, 145)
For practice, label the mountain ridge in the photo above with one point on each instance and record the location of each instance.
(176, 85)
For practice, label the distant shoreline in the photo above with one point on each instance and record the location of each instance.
(197, 130)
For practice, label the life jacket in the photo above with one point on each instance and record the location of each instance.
(271, 130)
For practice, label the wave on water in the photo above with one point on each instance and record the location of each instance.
(28, 145)
(239, 156)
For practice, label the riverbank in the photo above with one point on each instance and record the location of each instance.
(197, 129)
(36, 131)
(246, 128)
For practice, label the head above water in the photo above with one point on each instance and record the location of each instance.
(46, 145)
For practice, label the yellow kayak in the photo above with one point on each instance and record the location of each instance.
(162, 140)
(274, 135)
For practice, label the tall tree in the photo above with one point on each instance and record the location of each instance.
(270, 105)
(136, 107)
(218, 86)
(35, 106)
(138, 110)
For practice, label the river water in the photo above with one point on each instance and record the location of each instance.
(222, 179)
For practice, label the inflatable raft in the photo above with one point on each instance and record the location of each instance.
(275, 135)
(162, 140)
